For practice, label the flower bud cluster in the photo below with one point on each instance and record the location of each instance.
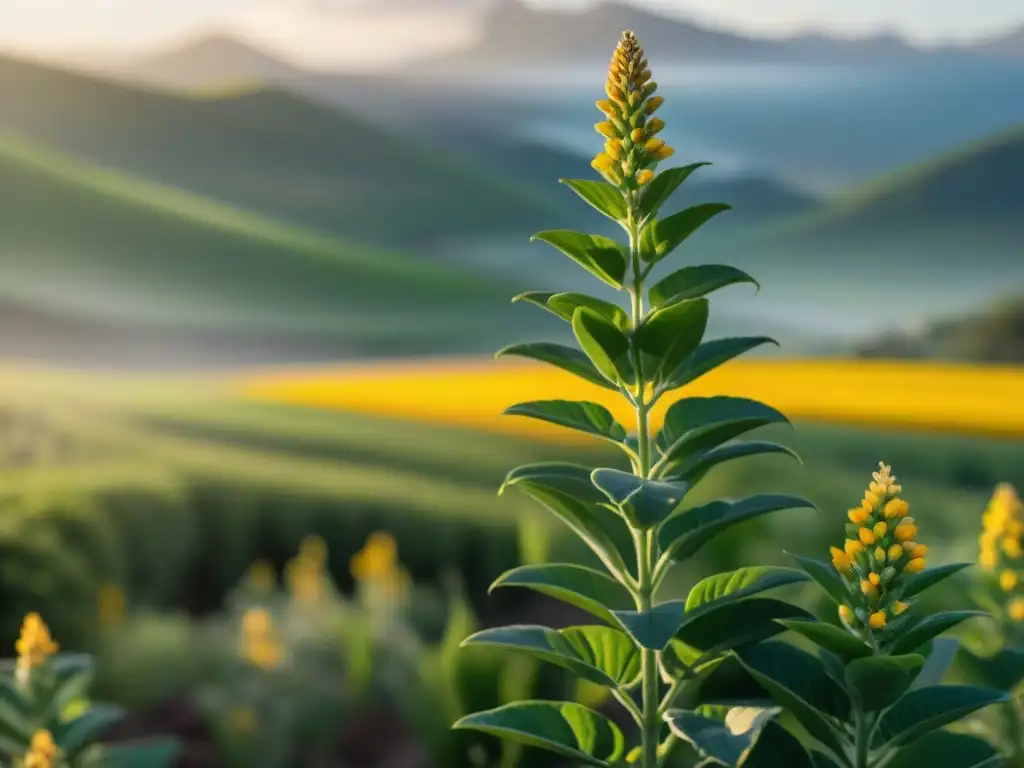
(1000, 546)
(881, 549)
(632, 147)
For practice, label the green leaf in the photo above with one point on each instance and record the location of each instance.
(740, 583)
(712, 354)
(659, 238)
(601, 195)
(1003, 670)
(602, 257)
(683, 534)
(670, 335)
(799, 682)
(937, 663)
(568, 359)
(565, 305)
(662, 186)
(831, 638)
(591, 418)
(725, 743)
(584, 588)
(537, 298)
(654, 628)
(778, 747)
(644, 503)
(698, 466)
(572, 479)
(77, 734)
(733, 624)
(826, 576)
(567, 729)
(605, 345)
(596, 526)
(913, 637)
(950, 750)
(927, 709)
(695, 425)
(149, 753)
(878, 681)
(919, 582)
(694, 282)
(600, 655)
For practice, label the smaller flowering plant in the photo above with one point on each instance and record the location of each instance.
(40, 726)
(872, 696)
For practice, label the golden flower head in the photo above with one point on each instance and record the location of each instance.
(880, 551)
(260, 645)
(377, 559)
(35, 645)
(42, 751)
(627, 112)
(1016, 609)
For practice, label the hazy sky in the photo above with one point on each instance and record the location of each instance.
(343, 30)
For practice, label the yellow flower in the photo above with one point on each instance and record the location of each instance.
(846, 614)
(880, 554)
(644, 176)
(868, 588)
(260, 646)
(915, 566)
(378, 557)
(895, 552)
(867, 538)
(841, 560)
(906, 530)
(988, 559)
(899, 607)
(1008, 580)
(858, 515)
(1016, 609)
(880, 530)
(874, 578)
(34, 646)
(896, 508)
(1012, 548)
(853, 548)
(877, 620)
(42, 751)
(606, 129)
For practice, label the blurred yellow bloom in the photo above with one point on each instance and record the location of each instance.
(42, 751)
(867, 538)
(853, 548)
(877, 620)
(899, 607)
(906, 530)
(260, 646)
(34, 646)
(1016, 609)
(846, 614)
(1008, 580)
(644, 176)
(859, 515)
(378, 558)
(895, 552)
(841, 560)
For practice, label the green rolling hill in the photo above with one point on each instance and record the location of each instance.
(275, 153)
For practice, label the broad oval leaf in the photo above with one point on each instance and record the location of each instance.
(878, 681)
(569, 478)
(664, 184)
(927, 709)
(606, 346)
(565, 304)
(928, 578)
(826, 576)
(537, 298)
(694, 470)
(601, 256)
(653, 629)
(567, 729)
(950, 750)
(743, 582)
(778, 747)
(590, 418)
(601, 655)
(728, 742)
(694, 282)
(683, 534)
(695, 425)
(913, 637)
(733, 624)
(601, 195)
(644, 503)
(831, 638)
(798, 681)
(670, 335)
(599, 528)
(712, 354)
(568, 359)
(584, 588)
(659, 238)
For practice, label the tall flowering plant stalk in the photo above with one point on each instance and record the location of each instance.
(652, 656)
(873, 697)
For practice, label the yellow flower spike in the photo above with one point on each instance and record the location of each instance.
(899, 607)
(988, 559)
(896, 508)
(42, 751)
(858, 515)
(915, 566)
(880, 530)
(1016, 609)
(34, 646)
(877, 620)
(867, 538)
(1008, 580)
(644, 176)
(895, 552)
(841, 560)
(1012, 548)
(874, 578)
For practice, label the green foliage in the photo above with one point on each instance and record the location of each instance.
(650, 655)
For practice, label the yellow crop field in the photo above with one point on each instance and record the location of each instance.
(965, 399)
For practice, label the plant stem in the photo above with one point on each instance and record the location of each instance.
(863, 737)
(646, 541)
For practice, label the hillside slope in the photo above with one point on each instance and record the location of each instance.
(275, 153)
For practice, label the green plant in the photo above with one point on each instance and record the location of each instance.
(873, 696)
(646, 652)
(46, 720)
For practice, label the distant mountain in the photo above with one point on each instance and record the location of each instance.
(211, 61)
(1010, 44)
(994, 335)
